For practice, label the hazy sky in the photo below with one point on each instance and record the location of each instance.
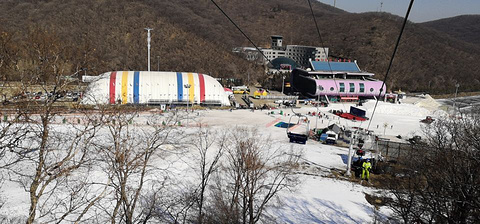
(422, 11)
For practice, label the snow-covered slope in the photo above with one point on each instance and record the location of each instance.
(319, 198)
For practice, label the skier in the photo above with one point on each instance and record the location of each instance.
(366, 166)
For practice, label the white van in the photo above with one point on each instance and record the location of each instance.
(331, 137)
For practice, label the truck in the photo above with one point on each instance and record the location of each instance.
(332, 137)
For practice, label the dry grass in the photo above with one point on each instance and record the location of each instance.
(452, 95)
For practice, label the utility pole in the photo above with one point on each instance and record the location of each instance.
(158, 63)
(187, 86)
(334, 3)
(455, 100)
(149, 39)
(316, 115)
(381, 6)
(350, 151)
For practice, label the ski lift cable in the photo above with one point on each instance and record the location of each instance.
(328, 62)
(391, 60)
(244, 34)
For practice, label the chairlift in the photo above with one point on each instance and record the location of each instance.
(298, 137)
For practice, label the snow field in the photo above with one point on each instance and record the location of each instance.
(317, 199)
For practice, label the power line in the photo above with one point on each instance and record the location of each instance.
(323, 46)
(391, 60)
(248, 38)
(245, 35)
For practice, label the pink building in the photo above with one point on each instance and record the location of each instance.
(337, 79)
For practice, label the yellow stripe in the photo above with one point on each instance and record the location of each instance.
(124, 87)
(192, 86)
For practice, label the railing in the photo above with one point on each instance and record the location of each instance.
(181, 102)
(279, 97)
(211, 102)
(394, 150)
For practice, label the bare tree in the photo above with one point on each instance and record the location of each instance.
(209, 146)
(441, 179)
(45, 162)
(128, 153)
(11, 134)
(8, 56)
(253, 173)
(45, 159)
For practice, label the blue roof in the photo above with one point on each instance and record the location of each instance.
(335, 66)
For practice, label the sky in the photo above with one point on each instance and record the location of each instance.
(422, 11)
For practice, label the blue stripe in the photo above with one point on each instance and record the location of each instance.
(136, 86)
(179, 86)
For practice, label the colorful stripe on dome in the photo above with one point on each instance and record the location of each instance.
(179, 86)
(202, 87)
(124, 86)
(113, 77)
(136, 86)
(192, 87)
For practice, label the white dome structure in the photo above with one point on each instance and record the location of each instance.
(142, 87)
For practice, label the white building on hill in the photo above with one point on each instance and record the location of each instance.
(299, 53)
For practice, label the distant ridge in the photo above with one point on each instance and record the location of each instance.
(465, 27)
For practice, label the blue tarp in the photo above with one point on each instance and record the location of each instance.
(335, 66)
(284, 125)
(323, 137)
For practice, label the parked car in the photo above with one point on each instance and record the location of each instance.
(332, 137)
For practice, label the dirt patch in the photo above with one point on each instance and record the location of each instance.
(452, 95)
(377, 201)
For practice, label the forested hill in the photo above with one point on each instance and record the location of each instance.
(193, 35)
(464, 27)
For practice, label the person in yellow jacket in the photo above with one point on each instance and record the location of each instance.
(366, 166)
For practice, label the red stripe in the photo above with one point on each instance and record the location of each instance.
(113, 78)
(202, 87)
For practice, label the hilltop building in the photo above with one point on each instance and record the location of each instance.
(302, 55)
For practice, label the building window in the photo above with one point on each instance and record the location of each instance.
(371, 89)
(362, 87)
(331, 88)
(352, 87)
(342, 87)
(320, 87)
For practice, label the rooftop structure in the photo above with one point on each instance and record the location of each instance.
(299, 53)
(335, 66)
